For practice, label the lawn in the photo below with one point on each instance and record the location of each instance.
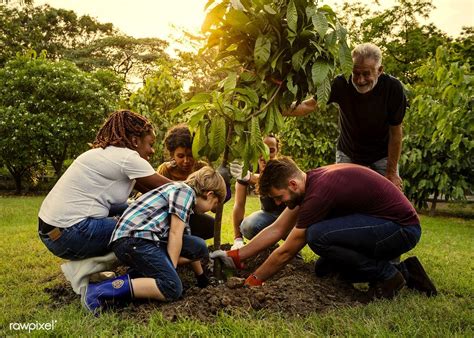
(27, 268)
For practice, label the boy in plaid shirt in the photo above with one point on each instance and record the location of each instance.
(153, 236)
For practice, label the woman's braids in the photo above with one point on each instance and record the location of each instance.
(119, 128)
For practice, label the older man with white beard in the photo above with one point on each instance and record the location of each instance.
(372, 105)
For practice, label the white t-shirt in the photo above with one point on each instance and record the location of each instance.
(95, 180)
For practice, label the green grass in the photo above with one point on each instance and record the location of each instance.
(446, 250)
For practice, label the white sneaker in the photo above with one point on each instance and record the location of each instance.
(78, 272)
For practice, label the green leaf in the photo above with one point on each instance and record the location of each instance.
(269, 9)
(270, 119)
(217, 137)
(201, 97)
(230, 81)
(237, 19)
(331, 39)
(297, 59)
(214, 16)
(200, 139)
(319, 71)
(254, 131)
(250, 93)
(323, 91)
(276, 57)
(292, 17)
(262, 51)
(320, 23)
(291, 87)
(345, 59)
(196, 117)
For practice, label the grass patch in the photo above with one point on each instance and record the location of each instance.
(445, 249)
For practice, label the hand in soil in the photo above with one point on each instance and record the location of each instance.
(202, 280)
(230, 258)
(252, 281)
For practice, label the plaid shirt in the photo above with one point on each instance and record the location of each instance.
(149, 217)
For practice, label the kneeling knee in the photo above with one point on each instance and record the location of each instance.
(247, 229)
(174, 290)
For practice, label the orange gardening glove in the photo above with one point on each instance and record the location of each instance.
(253, 280)
(230, 259)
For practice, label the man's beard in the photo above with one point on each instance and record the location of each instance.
(296, 200)
(366, 89)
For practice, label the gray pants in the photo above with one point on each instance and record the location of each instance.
(379, 166)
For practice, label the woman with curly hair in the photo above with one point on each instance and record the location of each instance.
(76, 219)
(178, 142)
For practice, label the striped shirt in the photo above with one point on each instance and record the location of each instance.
(149, 217)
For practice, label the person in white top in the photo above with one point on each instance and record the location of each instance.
(76, 219)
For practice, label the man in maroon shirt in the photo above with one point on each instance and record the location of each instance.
(349, 215)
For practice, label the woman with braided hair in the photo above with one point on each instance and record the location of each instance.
(78, 216)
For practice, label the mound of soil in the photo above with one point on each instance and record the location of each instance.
(294, 291)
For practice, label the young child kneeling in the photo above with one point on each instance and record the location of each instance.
(153, 236)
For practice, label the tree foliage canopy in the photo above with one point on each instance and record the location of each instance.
(155, 100)
(438, 151)
(91, 45)
(274, 52)
(51, 109)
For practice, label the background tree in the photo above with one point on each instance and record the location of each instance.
(131, 58)
(161, 93)
(91, 45)
(438, 151)
(46, 28)
(19, 152)
(197, 67)
(54, 105)
(398, 31)
(311, 140)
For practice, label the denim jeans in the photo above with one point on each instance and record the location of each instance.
(256, 222)
(88, 238)
(362, 245)
(379, 166)
(150, 259)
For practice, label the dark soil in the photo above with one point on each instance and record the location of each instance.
(293, 292)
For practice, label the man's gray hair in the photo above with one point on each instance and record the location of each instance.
(368, 50)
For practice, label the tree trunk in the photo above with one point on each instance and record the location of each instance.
(433, 204)
(18, 186)
(217, 241)
(218, 221)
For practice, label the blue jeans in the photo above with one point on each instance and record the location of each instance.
(150, 259)
(361, 245)
(256, 222)
(379, 166)
(88, 238)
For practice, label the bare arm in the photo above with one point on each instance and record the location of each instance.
(295, 242)
(238, 211)
(175, 239)
(394, 151)
(271, 234)
(144, 184)
(303, 109)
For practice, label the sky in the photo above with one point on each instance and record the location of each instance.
(155, 18)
